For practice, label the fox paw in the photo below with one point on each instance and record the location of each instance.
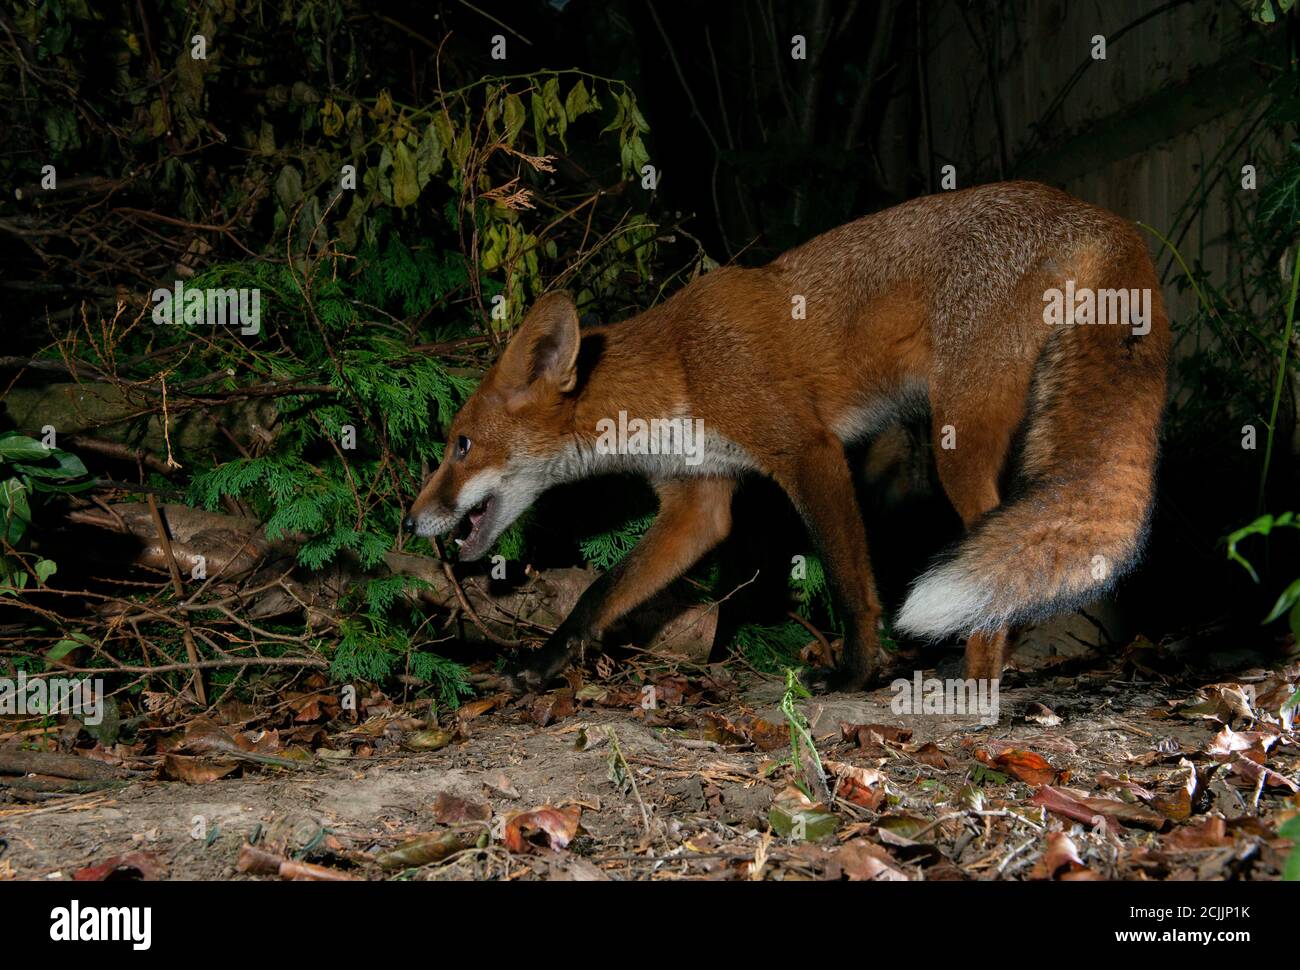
(830, 680)
(543, 668)
(524, 679)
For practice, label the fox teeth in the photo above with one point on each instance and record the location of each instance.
(459, 543)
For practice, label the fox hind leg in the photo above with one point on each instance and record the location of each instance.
(986, 653)
(969, 472)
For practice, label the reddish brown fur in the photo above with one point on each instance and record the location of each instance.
(941, 298)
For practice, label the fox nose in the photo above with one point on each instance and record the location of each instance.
(408, 524)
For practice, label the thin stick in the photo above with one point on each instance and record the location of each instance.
(469, 610)
(204, 665)
(631, 777)
(191, 650)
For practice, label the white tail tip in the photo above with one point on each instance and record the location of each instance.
(943, 602)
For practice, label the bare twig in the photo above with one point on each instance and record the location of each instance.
(191, 649)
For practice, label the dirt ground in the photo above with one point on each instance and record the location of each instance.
(1099, 767)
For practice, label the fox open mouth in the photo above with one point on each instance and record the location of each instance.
(479, 520)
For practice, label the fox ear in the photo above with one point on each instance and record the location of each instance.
(545, 347)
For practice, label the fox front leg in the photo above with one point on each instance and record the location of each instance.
(694, 516)
(820, 485)
(566, 644)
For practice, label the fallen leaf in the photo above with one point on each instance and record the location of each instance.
(1253, 773)
(1025, 765)
(472, 709)
(930, 754)
(794, 815)
(258, 860)
(451, 809)
(196, 771)
(434, 846)
(430, 739)
(1180, 803)
(908, 827)
(1042, 714)
(1107, 780)
(1228, 742)
(552, 707)
(310, 872)
(869, 735)
(861, 786)
(558, 826)
(1208, 833)
(499, 782)
(747, 728)
(1059, 853)
(1085, 808)
(263, 862)
(860, 861)
(145, 866)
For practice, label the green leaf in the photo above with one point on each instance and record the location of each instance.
(444, 129)
(637, 118)
(1289, 598)
(807, 823)
(634, 155)
(460, 149)
(1290, 829)
(45, 568)
(68, 466)
(61, 649)
(428, 155)
(288, 187)
(16, 447)
(382, 173)
(554, 108)
(1290, 702)
(539, 122)
(515, 116)
(406, 186)
(65, 647)
(621, 112)
(1262, 526)
(15, 512)
(331, 118)
(61, 128)
(578, 102)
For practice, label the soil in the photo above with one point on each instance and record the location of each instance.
(689, 789)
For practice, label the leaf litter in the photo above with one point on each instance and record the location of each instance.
(663, 770)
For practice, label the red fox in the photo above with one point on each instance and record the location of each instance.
(1030, 325)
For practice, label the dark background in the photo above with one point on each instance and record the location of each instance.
(756, 152)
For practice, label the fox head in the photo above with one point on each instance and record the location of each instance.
(505, 443)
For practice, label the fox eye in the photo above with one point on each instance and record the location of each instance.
(462, 446)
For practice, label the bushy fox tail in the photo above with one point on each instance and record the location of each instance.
(1079, 517)
(1054, 548)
